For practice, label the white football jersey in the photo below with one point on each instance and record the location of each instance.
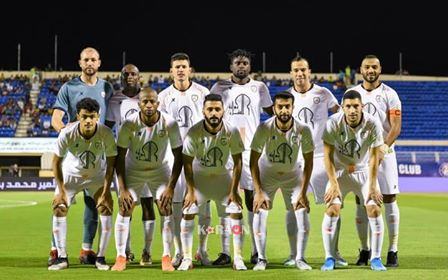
(148, 145)
(280, 150)
(85, 157)
(378, 102)
(351, 145)
(312, 108)
(120, 107)
(212, 153)
(243, 105)
(184, 106)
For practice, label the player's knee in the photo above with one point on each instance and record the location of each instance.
(389, 198)
(60, 211)
(373, 211)
(333, 210)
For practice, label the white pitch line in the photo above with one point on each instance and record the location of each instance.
(16, 203)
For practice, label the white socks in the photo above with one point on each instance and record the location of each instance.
(238, 237)
(204, 224)
(167, 234)
(106, 231)
(128, 240)
(250, 220)
(177, 218)
(121, 234)
(148, 234)
(392, 215)
(329, 225)
(259, 232)
(291, 230)
(186, 237)
(362, 226)
(225, 235)
(377, 226)
(60, 235)
(303, 225)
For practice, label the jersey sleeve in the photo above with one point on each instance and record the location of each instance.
(61, 144)
(109, 141)
(109, 89)
(331, 99)
(265, 97)
(174, 135)
(62, 100)
(394, 102)
(329, 132)
(124, 135)
(161, 98)
(376, 137)
(189, 147)
(307, 140)
(236, 143)
(113, 110)
(259, 139)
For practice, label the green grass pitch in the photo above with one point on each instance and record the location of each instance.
(423, 247)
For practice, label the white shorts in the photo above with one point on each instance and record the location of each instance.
(318, 180)
(388, 174)
(75, 184)
(246, 177)
(290, 184)
(212, 187)
(147, 183)
(356, 182)
(145, 192)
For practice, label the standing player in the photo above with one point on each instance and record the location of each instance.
(383, 103)
(122, 105)
(352, 141)
(311, 106)
(207, 150)
(79, 165)
(183, 101)
(244, 99)
(274, 164)
(86, 85)
(142, 147)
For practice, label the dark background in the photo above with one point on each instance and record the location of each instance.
(150, 31)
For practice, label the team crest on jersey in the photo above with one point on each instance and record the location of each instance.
(253, 88)
(194, 97)
(161, 133)
(294, 139)
(97, 145)
(378, 98)
(316, 100)
(224, 141)
(103, 94)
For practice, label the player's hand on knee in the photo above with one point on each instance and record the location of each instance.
(125, 200)
(189, 200)
(376, 196)
(59, 200)
(261, 202)
(331, 194)
(302, 202)
(105, 204)
(166, 198)
(235, 198)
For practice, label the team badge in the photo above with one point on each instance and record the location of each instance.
(316, 100)
(443, 169)
(103, 94)
(97, 145)
(253, 88)
(194, 97)
(378, 98)
(224, 141)
(161, 133)
(294, 139)
(364, 134)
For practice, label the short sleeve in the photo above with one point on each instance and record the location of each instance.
(113, 110)
(174, 135)
(161, 98)
(61, 144)
(259, 139)
(189, 147)
(109, 141)
(124, 135)
(62, 100)
(236, 143)
(265, 97)
(332, 101)
(307, 140)
(394, 102)
(376, 136)
(328, 135)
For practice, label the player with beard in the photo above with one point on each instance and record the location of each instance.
(183, 100)
(383, 103)
(208, 148)
(143, 143)
(352, 141)
(71, 92)
(122, 105)
(274, 163)
(244, 100)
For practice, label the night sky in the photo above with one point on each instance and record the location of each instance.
(150, 31)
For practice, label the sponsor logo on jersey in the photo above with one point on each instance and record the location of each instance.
(213, 158)
(306, 115)
(370, 108)
(351, 149)
(148, 152)
(185, 116)
(87, 159)
(240, 106)
(283, 154)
